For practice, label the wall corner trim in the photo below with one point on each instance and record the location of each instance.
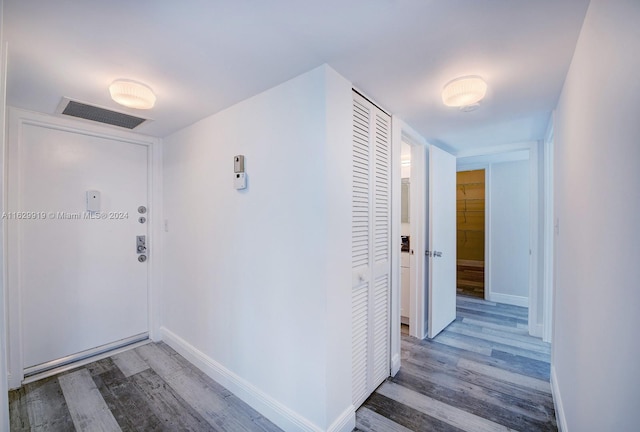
(345, 422)
(275, 411)
(395, 364)
(561, 419)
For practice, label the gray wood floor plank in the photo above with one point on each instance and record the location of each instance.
(406, 416)
(46, 406)
(452, 341)
(173, 411)
(488, 337)
(88, 409)
(503, 375)
(504, 329)
(18, 414)
(159, 360)
(370, 421)
(210, 405)
(126, 402)
(482, 373)
(130, 363)
(478, 389)
(442, 411)
(478, 344)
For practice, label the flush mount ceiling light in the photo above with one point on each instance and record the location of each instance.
(464, 92)
(132, 94)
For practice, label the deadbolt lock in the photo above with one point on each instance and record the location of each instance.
(141, 244)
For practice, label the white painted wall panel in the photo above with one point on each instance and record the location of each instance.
(259, 280)
(597, 202)
(510, 219)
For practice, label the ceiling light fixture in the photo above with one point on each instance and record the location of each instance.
(132, 94)
(464, 92)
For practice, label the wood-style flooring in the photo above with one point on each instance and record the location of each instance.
(483, 373)
(470, 278)
(149, 388)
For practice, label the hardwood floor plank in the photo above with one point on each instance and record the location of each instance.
(47, 407)
(498, 327)
(518, 335)
(484, 344)
(495, 308)
(406, 416)
(478, 388)
(492, 317)
(442, 411)
(497, 408)
(448, 373)
(86, 405)
(450, 340)
(503, 375)
(159, 360)
(211, 406)
(489, 337)
(174, 413)
(528, 366)
(126, 402)
(483, 372)
(18, 414)
(130, 362)
(150, 388)
(371, 421)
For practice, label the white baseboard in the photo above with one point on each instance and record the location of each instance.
(535, 330)
(345, 422)
(275, 411)
(561, 420)
(509, 299)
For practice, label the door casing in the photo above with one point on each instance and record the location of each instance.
(18, 118)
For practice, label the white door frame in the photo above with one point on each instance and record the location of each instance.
(537, 289)
(487, 214)
(419, 147)
(18, 118)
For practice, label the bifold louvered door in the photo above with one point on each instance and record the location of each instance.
(371, 247)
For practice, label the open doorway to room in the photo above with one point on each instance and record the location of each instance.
(470, 224)
(405, 232)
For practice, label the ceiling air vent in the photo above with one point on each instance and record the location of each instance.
(101, 115)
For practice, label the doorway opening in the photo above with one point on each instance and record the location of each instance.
(470, 224)
(405, 233)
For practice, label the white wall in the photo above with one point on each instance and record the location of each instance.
(509, 202)
(4, 402)
(509, 228)
(257, 282)
(597, 202)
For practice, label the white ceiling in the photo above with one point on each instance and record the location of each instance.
(203, 56)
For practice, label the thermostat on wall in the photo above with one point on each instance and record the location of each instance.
(240, 181)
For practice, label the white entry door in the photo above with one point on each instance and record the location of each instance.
(441, 241)
(80, 283)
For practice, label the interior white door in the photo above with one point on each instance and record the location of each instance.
(371, 247)
(441, 253)
(80, 282)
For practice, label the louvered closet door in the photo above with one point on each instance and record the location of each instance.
(371, 247)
